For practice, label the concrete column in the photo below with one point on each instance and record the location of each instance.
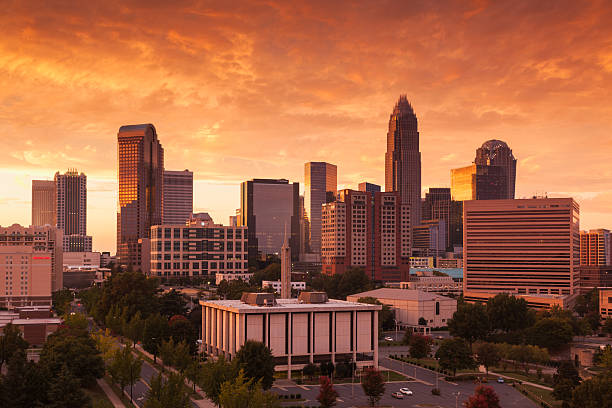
(205, 329)
(354, 312)
(333, 336)
(311, 337)
(241, 329)
(219, 340)
(375, 345)
(289, 339)
(232, 334)
(226, 332)
(213, 330)
(266, 337)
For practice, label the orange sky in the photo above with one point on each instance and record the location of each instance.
(239, 90)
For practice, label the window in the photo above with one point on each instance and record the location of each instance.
(437, 308)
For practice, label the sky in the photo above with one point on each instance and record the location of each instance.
(254, 89)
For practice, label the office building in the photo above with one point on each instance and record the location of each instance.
(76, 260)
(140, 176)
(233, 221)
(178, 196)
(403, 158)
(369, 231)
(320, 185)
(437, 205)
(266, 207)
(199, 248)
(422, 262)
(435, 284)
(30, 265)
(594, 276)
(595, 247)
(497, 153)
(369, 187)
(106, 258)
(276, 285)
(35, 323)
(521, 246)
(605, 302)
(409, 306)
(429, 238)
(43, 203)
(309, 330)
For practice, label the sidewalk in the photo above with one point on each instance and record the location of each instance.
(522, 382)
(114, 399)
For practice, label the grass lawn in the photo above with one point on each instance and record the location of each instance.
(538, 394)
(432, 362)
(387, 375)
(98, 397)
(521, 376)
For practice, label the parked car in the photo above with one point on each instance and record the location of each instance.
(389, 338)
(405, 391)
(398, 395)
(500, 380)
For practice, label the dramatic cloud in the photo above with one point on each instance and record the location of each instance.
(256, 88)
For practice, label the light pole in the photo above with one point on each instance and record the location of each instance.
(457, 394)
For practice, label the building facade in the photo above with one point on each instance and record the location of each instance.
(76, 260)
(429, 238)
(605, 302)
(31, 267)
(594, 276)
(266, 207)
(595, 247)
(369, 187)
(308, 330)
(497, 153)
(43, 203)
(276, 285)
(140, 176)
(178, 196)
(403, 158)
(369, 231)
(435, 284)
(199, 248)
(521, 246)
(320, 185)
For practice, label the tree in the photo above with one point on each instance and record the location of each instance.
(105, 344)
(344, 369)
(155, 331)
(172, 303)
(215, 373)
(125, 368)
(607, 326)
(469, 322)
(327, 368)
(327, 395)
(552, 333)
(484, 397)
(373, 385)
(508, 313)
(61, 301)
(420, 346)
(181, 329)
(593, 393)
(271, 272)
(11, 343)
(167, 393)
(233, 289)
(422, 321)
(309, 370)
(565, 380)
(76, 321)
(25, 384)
(246, 393)
(454, 354)
(194, 373)
(257, 362)
(487, 355)
(65, 391)
(135, 329)
(407, 337)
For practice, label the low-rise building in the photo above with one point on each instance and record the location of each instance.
(276, 285)
(605, 302)
(535, 301)
(35, 323)
(409, 306)
(421, 262)
(434, 284)
(76, 260)
(310, 329)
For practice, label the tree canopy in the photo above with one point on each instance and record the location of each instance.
(455, 354)
(257, 362)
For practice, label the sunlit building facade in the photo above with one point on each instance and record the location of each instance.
(595, 247)
(178, 196)
(320, 185)
(140, 176)
(497, 153)
(71, 210)
(43, 202)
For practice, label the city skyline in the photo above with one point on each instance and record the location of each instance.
(468, 79)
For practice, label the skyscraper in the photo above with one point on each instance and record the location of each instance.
(369, 187)
(71, 210)
(595, 247)
(178, 196)
(140, 174)
(266, 206)
(320, 183)
(403, 158)
(43, 202)
(497, 153)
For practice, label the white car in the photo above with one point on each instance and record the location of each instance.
(388, 338)
(405, 391)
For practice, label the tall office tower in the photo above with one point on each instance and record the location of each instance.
(437, 206)
(369, 187)
(266, 206)
(403, 158)
(304, 228)
(140, 206)
(369, 231)
(320, 183)
(178, 196)
(31, 265)
(595, 247)
(71, 210)
(497, 153)
(521, 246)
(429, 238)
(43, 202)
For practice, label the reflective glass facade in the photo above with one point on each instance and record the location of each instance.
(320, 183)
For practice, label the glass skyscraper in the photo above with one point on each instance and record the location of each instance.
(140, 173)
(320, 185)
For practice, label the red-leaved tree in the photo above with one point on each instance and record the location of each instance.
(327, 395)
(484, 397)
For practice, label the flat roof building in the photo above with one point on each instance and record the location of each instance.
(595, 247)
(178, 196)
(43, 203)
(310, 329)
(605, 302)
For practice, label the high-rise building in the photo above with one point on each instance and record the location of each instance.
(437, 206)
(595, 247)
(31, 265)
(43, 202)
(266, 207)
(527, 246)
(320, 184)
(178, 196)
(140, 174)
(429, 238)
(497, 153)
(369, 187)
(369, 231)
(71, 210)
(403, 158)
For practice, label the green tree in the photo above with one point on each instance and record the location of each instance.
(422, 321)
(105, 344)
(24, 385)
(246, 393)
(182, 356)
(470, 322)
(233, 289)
(215, 373)
(420, 346)
(327, 395)
(407, 336)
(455, 354)
(508, 313)
(593, 393)
(373, 385)
(172, 303)
(181, 329)
(194, 373)
(565, 380)
(271, 272)
(484, 397)
(487, 355)
(125, 369)
(309, 370)
(551, 333)
(257, 362)
(61, 301)
(167, 393)
(76, 321)
(155, 331)
(65, 391)
(135, 329)
(11, 343)
(607, 326)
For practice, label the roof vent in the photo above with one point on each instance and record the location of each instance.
(258, 299)
(312, 297)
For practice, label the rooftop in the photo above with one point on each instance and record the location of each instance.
(288, 305)
(399, 294)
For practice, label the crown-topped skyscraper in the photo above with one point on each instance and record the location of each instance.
(403, 158)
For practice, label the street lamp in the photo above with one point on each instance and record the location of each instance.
(457, 394)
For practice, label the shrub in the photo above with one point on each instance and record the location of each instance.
(435, 391)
